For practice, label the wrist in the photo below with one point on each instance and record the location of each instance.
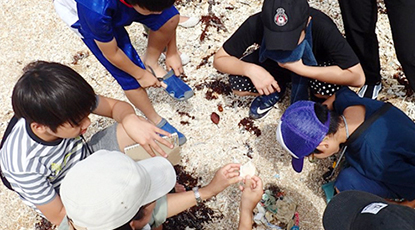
(206, 193)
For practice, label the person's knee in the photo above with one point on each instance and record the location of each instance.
(346, 180)
(171, 24)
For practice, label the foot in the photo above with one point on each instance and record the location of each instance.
(261, 105)
(370, 91)
(166, 126)
(158, 71)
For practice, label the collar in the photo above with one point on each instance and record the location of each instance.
(125, 3)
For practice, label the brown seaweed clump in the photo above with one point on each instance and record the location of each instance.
(248, 125)
(194, 217)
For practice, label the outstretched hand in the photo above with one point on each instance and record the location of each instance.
(225, 176)
(145, 133)
(251, 192)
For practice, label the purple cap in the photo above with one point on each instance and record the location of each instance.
(300, 131)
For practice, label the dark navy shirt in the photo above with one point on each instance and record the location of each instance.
(384, 152)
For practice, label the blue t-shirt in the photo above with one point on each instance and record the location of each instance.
(101, 19)
(385, 151)
(98, 18)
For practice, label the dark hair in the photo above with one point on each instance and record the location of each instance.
(322, 111)
(51, 94)
(138, 216)
(152, 5)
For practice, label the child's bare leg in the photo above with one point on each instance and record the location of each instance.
(139, 98)
(157, 41)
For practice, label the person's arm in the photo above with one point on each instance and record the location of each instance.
(264, 82)
(118, 58)
(137, 128)
(53, 211)
(353, 76)
(251, 194)
(227, 175)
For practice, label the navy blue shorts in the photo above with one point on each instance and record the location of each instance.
(350, 179)
(126, 81)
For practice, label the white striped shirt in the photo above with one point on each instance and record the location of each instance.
(35, 168)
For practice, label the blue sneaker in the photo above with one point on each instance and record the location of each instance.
(261, 105)
(166, 126)
(176, 88)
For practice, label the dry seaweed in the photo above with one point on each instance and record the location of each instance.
(402, 80)
(248, 125)
(79, 56)
(44, 224)
(205, 60)
(194, 217)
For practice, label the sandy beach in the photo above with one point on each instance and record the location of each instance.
(33, 31)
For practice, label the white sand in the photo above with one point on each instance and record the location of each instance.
(31, 30)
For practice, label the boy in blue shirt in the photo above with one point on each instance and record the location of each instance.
(100, 24)
(381, 160)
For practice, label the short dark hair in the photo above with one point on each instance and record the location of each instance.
(152, 5)
(322, 111)
(51, 94)
(138, 216)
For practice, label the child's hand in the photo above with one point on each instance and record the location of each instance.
(173, 61)
(251, 192)
(149, 80)
(263, 81)
(145, 134)
(225, 176)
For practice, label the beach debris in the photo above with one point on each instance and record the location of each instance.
(247, 169)
(79, 56)
(215, 118)
(276, 211)
(220, 108)
(205, 60)
(248, 124)
(402, 80)
(195, 217)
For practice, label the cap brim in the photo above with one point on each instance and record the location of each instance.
(343, 209)
(297, 164)
(287, 40)
(162, 177)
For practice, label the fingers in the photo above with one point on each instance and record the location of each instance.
(157, 148)
(162, 132)
(164, 85)
(231, 167)
(248, 182)
(149, 150)
(276, 86)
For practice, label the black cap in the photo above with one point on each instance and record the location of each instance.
(356, 210)
(283, 22)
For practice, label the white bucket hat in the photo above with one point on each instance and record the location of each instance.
(107, 189)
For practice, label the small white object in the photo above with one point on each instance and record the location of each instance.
(191, 22)
(247, 169)
(184, 57)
